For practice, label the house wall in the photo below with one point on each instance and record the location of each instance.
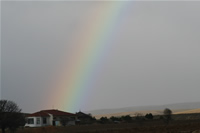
(50, 119)
(48, 122)
(35, 124)
(71, 122)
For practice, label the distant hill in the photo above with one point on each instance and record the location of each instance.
(175, 107)
(189, 111)
(154, 112)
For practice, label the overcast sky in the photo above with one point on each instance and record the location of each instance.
(153, 60)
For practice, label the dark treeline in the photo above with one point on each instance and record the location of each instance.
(10, 116)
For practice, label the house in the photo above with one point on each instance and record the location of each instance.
(50, 117)
(83, 118)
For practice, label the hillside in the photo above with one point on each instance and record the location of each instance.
(128, 113)
(189, 111)
(178, 107)
(154, 112)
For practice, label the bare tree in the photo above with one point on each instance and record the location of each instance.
(138, 116)
(10, 115)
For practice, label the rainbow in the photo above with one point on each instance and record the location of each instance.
(94, 40)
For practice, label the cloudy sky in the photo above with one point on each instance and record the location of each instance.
(152, 57)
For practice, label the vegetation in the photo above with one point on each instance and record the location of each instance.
(126, 118)
(104, 120)
(149, 116)
(167, 115)
(139, 116)
(10, 116)
(115, 119)
(153, 126)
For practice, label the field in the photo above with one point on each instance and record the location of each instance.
(153, 126)
(188, 111)
(180, 123)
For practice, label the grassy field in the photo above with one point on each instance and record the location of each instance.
(155, 126)
(180, 123)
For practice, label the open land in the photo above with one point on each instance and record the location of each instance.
(188, 111)
(135, 127)
(180, 123)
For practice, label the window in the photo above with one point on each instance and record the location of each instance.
(44, 120)
(38, 120)
(30, 121)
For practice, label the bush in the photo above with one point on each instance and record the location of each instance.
(149, 116)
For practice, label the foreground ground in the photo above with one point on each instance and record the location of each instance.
(135, 127)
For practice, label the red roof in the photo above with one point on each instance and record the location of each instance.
(57, 112)
(38, 114)
(53, 112)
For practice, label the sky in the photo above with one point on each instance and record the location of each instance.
(86, 55)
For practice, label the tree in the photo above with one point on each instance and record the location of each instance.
(149, 116)
(127, 118)
(115, 119)
(167, 115)
(10, 116)
(104, 119)
(139, 118)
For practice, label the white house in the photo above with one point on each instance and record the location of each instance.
(49, 117)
